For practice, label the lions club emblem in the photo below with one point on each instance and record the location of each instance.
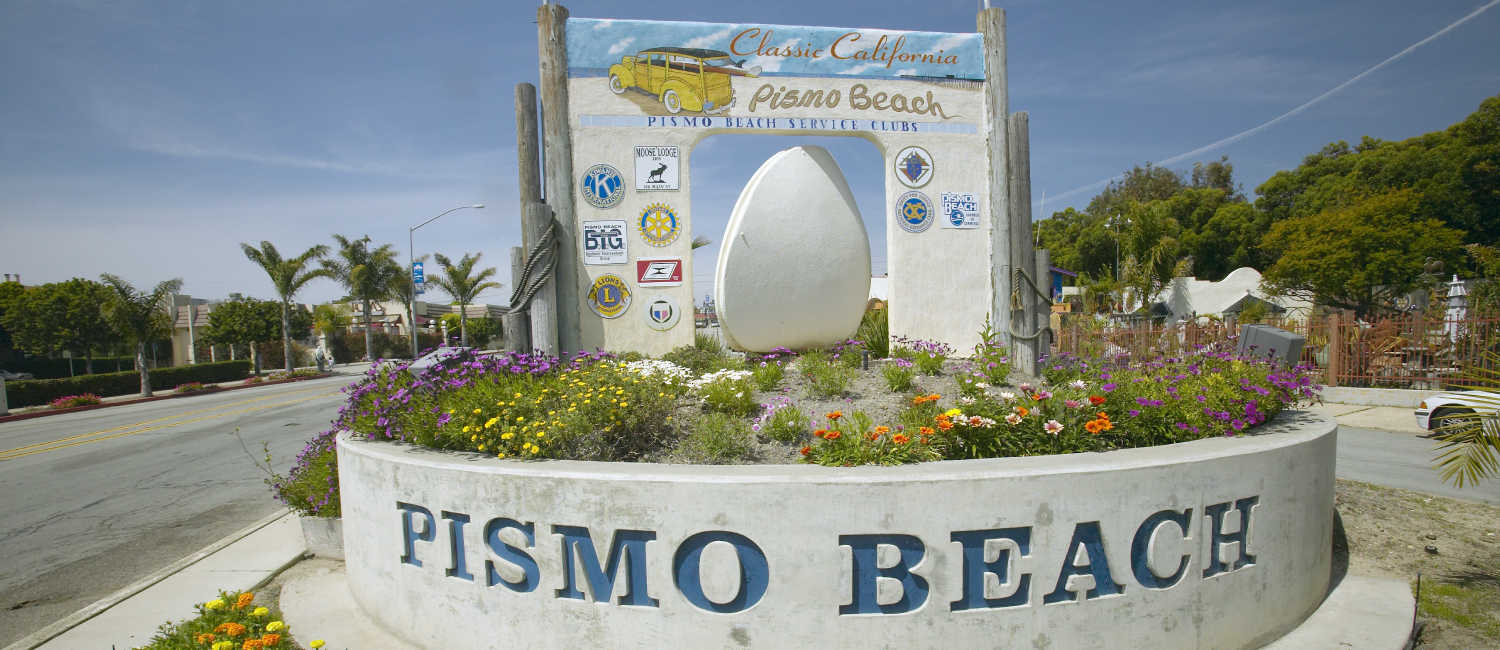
(914, 212)
(603, 187)
(658, 224)
(609, 296)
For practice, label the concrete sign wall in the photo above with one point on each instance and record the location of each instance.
(1220, 543)
(641, 94)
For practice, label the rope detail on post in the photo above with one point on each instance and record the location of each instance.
(527, 286)
(1017, 274)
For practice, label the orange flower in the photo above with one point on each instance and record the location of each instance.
(882, 429)
(873, 436)
(900, 439)
(806, 450)
(820, 433)
(231, 629)
(945, 425)
(1023, 411)
(1092, 426)
(1096, 400)
(941, 418)
(933, 397)
(835, 415)
(924, 440)
(1102, 415)
(205, 638)
(270, 640)
(918, 400)
(925, 431)
(832, 435)
(253, 644)
(244, 600)
(1106, 425)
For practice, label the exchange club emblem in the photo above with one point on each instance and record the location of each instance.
(914, 212)
(609, 296)
(603, 187)
(662, 312)
(913, 166)
(658, 224)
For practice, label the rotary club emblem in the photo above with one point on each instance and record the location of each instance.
(658, 224)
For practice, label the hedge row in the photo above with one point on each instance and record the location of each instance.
(41, 391)
(45, 368)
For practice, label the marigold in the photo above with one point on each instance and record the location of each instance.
(205, 638)
(317, 643)
(270, 640)
(260, 611)
(224, 645)
(217, 603)
(1096, 400)
(244, 600)
(900, 439)
(252, 644)
(231, 629)
(275, 626)
(831, 435)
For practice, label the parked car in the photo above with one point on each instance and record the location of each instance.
(681, 78)
(15, 376)
(1431, 411)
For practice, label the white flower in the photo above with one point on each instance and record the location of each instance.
(1013, 418)
(981, 385)
(739, 394)
(1079, 384)
(966, 401)
(1053, 427)
(1009, 397)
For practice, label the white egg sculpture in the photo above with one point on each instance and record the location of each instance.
(794, 266)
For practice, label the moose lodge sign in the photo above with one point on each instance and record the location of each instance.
(641, 94)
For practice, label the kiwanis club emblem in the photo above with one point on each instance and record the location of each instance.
(914, 212)
(603, 187)
(658, 224)
(913, 166)
(609, 296)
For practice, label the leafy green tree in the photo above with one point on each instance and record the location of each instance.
(1079, 241)
(1485, 298)
(1151, 248)
(483, 329)
(331, 317)
(9, 290)
(463, 283)
(1358, 256)
(61, 316)
(250, 322)
(140, 317)
(1139, 185)
(368, 274)
(288, 276)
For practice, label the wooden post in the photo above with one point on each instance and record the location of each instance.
(529, 174)
(535, 219)
(1022, 255)
(552, 42)
(997, 110)
(518, 324)
(1043, 313)
(1333, 349)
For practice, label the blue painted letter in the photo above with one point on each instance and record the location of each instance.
(602, 581)
(512, 554)
(1086, 536)
(429, 531)
(1140, 549)
(1217, 537)
(755, 573)
(867, 569)
(459, 568)
(975, 568)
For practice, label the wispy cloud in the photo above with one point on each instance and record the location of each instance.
(715, 38)
(620, 46)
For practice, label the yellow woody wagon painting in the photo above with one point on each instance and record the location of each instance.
(681, 78)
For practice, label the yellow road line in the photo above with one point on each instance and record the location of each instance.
(170, 417)
(4, 456)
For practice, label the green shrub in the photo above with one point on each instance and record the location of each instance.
(726, 391)
(825, 376)
(701, 361)
(717, 439)
(40, 391)
(991, 357)
(898, 374)
(928, 355)
(43, 368)
(874, 330)
(768, 374)
(227, 623)
(780, 421)
(852, 440)
(707, 343)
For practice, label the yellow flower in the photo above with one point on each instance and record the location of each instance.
(473, 437)
(551, 412)
(518, 394)
(491, 422)
(466, 428)
(520, 418)
(261, 611)
(476, 411)
(502, 455)
(540, 434)
(481, 447)
(952, 412)
(507, 435)
(217, 603)
(275, 626)
(225, 645)
(317, 643)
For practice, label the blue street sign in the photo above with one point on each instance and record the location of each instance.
(418, 278)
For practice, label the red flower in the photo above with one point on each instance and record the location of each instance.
(835, 415)
(1096, 400)
(806, 450)
(832, 435)
(820, 433)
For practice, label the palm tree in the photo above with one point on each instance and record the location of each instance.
(462, 283)
(288, 276)
(140, 317)
(1470, 449)
(404, 291)
(367, 274)
(700, 241)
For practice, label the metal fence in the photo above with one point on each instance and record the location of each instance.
(1413, 351)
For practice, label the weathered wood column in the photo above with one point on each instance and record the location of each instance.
(552, 22)
(1044, 305)
(997, 109)
(529, 176)
(535, 219)
(1022, 256)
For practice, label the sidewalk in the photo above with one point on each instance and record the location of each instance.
(131, 616)
(1389, 418)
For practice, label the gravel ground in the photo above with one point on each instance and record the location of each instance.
(1389, 532)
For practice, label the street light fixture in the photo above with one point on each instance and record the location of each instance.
(411, 277)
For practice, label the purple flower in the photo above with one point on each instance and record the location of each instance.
(1134, 412)
(1110, 387)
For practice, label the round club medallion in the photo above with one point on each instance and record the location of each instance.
(609, 296)
(913, 166)
(662, 312)
(658, 224)
(914, 212)
(603, 187)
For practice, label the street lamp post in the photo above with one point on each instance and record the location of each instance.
(410, 277)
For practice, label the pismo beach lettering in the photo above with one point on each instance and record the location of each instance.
(859, 99)
(754, 41)
(1086, 572)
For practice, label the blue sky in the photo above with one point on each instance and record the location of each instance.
(149, 139)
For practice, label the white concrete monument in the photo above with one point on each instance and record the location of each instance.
(794, 268)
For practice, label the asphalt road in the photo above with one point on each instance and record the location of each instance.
(1401, 460)
(94, 501)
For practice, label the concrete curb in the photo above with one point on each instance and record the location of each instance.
(83, 615)
(79, 409)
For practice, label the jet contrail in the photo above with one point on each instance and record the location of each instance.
(1236, 138)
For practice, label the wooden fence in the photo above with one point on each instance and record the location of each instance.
(1410, 351)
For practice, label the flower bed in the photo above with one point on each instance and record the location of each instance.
(229, 622)
(75, 401)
